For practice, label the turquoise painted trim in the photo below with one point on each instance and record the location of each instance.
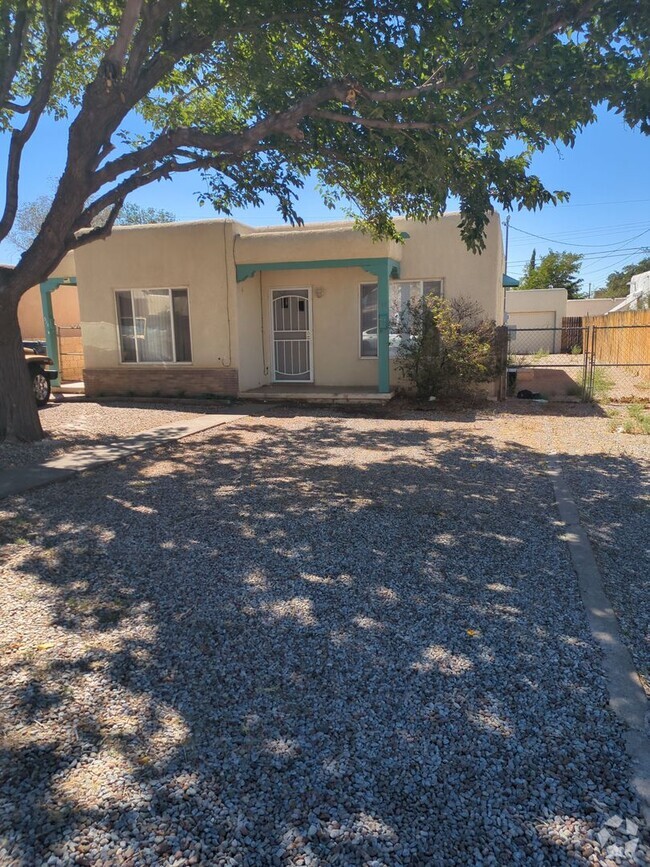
(372, 265)
(383, 336)
(47, 287)
(382, 267)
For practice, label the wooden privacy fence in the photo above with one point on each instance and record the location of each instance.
(620, 338)
(571, 336)
(71, 353)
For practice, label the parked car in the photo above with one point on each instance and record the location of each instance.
(369, 342)
(40, 370)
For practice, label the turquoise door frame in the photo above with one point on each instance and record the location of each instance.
(47, 287)
(382, 267)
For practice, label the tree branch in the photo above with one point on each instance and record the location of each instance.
(143, 177)
(13, 52)
(283, 123)
(98, 232)
(437, 82)
(20, 137)
(152, 18)
(116, 54)
(372, 123)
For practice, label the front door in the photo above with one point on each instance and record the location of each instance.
(292, 337)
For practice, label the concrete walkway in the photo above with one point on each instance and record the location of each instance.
(626, 694)
(21, 479)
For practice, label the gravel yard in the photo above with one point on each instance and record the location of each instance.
(314, 639)
(71, 424)
(609, 474)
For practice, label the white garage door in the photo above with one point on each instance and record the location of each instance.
(526, 339)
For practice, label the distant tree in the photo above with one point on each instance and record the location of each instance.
(31, 217)
(556, 270)
(135, 215)
(29, 220)
(532, 263)
(617, 285)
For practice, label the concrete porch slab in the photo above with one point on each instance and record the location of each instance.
(306, 393)
(69, 388)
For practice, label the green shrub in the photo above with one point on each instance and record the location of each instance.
(445, 348)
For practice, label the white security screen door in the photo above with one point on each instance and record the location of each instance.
(292, 338)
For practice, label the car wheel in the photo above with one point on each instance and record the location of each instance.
(40, 386)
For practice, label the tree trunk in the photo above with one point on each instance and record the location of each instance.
(18, 412)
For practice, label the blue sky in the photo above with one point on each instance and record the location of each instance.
(607, 218)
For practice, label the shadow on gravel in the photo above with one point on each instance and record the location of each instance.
(335, 642)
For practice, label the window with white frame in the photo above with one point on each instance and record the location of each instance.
(400, 294)
(154, 325)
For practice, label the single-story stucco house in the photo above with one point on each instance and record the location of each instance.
(217, 307)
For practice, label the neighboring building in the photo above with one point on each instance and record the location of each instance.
(217, 307)
(63, 331)
(538, 309)
(639, 294)
(547, 309)
(65, 302)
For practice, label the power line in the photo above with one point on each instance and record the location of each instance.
(594, 230)
(611, 265)
(596, 255)
(569, 244)
(598, 204)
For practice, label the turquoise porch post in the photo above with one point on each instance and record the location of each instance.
(383, 337)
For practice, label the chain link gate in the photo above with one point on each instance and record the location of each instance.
(590, 362)
(552, 362)
(618, 363)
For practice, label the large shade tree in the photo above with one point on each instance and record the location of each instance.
(394, 105)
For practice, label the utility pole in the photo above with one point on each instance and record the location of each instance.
(505, 269)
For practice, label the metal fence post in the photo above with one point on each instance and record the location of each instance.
(592, 363)
(586, 349)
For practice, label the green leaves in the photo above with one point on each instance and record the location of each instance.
(555, 270)
(429, 97)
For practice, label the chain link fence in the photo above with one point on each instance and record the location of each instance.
(587, 362)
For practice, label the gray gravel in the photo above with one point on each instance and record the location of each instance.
(72, 424)
(306, 640)
(609, 474)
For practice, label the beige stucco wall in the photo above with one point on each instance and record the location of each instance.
(196, 256)
(340, 241)
(520, 301)
(436, 250)
(65, 303)
(536, 309)
(253, 338)
(590, 306)
(537, 300)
